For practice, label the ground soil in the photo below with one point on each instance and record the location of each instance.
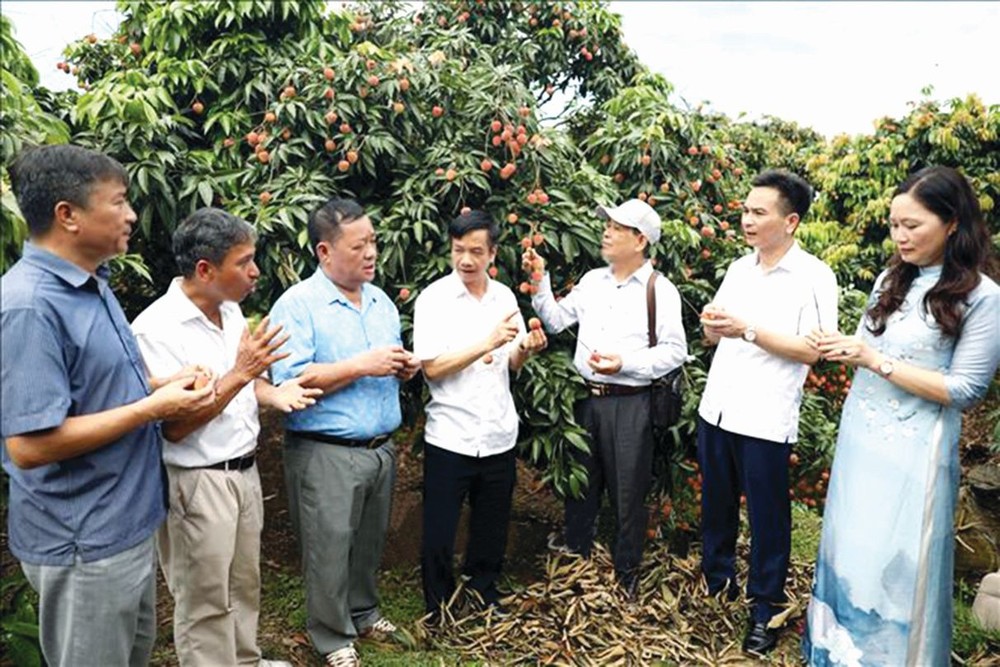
(536, 513)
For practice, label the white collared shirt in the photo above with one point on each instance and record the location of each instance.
(750, 391)
(471, 412)
(613, 320)
(173, 333)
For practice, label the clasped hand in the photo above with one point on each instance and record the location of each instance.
(835, 346)
(390, 360)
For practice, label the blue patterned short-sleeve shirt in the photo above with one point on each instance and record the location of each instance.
(325, 327)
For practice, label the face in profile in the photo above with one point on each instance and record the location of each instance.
(104, 224)
(766, 223)
(620, 242)
(236, 277)
(471, 255)
(919, 234)
(351, 257)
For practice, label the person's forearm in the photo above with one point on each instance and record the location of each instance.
(793, 348)
(332, 377)
(78, 435)
(554, 314)
(226, 389)
(518, 356)
(450, 363)
(918, 381)
(264, 391)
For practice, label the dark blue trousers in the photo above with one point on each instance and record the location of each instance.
(732, 464)
(488, 482)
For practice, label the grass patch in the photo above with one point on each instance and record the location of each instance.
(969, 639)
(807, 526)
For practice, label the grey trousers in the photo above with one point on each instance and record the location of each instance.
(339, 500)
(621, 461)
(98, 614)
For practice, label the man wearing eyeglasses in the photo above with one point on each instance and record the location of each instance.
(767, 304)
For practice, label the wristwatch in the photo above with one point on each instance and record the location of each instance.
(750, 333)
(886, 367)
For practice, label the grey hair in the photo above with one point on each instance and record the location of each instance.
(209, 234)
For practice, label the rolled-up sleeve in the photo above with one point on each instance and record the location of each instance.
(977, 352)
(35, 380)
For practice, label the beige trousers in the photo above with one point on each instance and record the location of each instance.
(209, 550)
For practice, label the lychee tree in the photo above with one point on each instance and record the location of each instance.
(267, 109)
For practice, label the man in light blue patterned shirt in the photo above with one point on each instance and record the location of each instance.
(344, 335)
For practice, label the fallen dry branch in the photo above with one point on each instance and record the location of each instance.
(577, 615)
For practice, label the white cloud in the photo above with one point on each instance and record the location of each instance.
(833, 66)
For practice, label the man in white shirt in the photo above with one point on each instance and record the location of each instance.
(469, 334)
(769, 301)
(209, 547)
(615, 360)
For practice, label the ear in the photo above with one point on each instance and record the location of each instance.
(322, 251)
(792, 222)
(643, 242)
(64, 217)
(952, 227)
(204, 270)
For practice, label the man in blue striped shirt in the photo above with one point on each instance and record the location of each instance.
(344, 334)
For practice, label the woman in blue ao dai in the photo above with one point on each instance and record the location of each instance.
(926, 349)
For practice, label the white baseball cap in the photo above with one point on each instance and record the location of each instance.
(637, 214)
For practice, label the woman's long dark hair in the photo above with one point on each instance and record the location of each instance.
(967, 252)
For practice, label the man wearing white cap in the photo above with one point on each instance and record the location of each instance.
(615, 360)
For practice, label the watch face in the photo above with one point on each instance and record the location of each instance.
(885, 368)
(750, 334)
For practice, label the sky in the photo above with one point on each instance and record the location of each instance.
(832, 66)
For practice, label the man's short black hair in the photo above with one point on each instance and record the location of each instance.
(209, 234)
(472, 221)
(43, 176)
(326, 221)
(796, 193)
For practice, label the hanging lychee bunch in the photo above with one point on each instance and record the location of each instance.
(532, 264)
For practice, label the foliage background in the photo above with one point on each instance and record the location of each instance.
(267, 109)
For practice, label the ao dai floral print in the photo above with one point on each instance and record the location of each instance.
(882, 593)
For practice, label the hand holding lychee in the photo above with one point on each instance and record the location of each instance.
(533, 264)
(536, 340)
(605, 364)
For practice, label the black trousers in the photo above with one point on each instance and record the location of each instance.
(489, 484)
(730, 464)
(621, 461)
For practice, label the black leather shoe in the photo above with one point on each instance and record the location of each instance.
(760, 639)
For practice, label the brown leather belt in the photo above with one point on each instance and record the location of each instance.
(238, 463)
(370, 443)
(603, 389)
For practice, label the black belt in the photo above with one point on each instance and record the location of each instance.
(370, 443)
(604, 389)
(239, 463)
